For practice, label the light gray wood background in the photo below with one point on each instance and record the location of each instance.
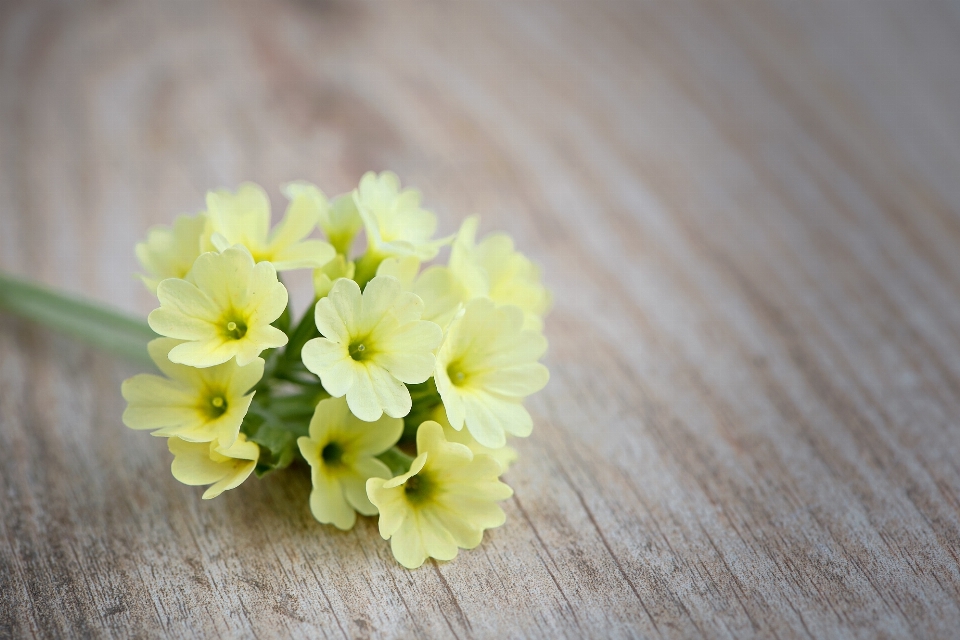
(749, 213)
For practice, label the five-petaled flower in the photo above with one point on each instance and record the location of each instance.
(244, 218)
(341, 451)
(494, 269)
(396, 225)
(485, 367)
(372, 344)
(445, 502)
(169, 252)
(197, 405)
(223, 311)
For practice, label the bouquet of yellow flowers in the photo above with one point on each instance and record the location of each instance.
(398, 386)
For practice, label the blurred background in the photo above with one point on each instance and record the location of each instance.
(540, 116)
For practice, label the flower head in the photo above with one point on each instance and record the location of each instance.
(199, 463)
(169, 252)
(197, 405)
(395, 223)
(223, 310)
(485, 367)
(446, 500)
(435, 286)
(495, 270)
(244, 218)
(341, 451)
(373, 343)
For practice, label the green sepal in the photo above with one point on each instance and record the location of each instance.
(366, 268)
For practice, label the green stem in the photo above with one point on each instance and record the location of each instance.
(98, 325)
(305, 330)
(366, 268)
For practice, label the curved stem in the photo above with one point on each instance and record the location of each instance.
(96, 324)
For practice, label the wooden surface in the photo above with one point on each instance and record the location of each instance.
(749, 213)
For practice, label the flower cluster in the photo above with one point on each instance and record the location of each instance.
(398, 387)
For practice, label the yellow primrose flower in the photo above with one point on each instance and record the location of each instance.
(199, 463)
(446, 500)
(340, 451)
(373, 343)
(244, 218)
(169, 252)
(485, 367)
(198, 405)
(505, 455)
(495, 270)
(223, 310)
(435, 286)
(395, 223)
(339, 220)
(324, 277)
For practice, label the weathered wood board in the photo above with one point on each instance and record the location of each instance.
(749, 213)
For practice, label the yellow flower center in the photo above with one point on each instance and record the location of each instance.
(359, 351)
(457, 376)
(217, 406)
(234, 329)
(332, 453)
(419, 489)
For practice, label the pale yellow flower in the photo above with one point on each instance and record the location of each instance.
(324, 277)
(485, 367)
(223, 311)
(341, 451)
(197, 405)
(339, 220)
(493, 269)
(446, 500)
(199, 463)
(169, 252)
(244, 218)
(373, 343)
(435, 286)
(396, 225)
(505, 455)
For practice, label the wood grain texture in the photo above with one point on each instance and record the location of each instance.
(749, 213)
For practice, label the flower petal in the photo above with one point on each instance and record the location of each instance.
(309, 254)
(327, 502)
(518, 381)
(391, 504)
(362, 397)
(407, 543)
(330, 323)
(379, 295)
(392, 395)
(346, 301)
(484, 425)
(437, 541)
(192, 464)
